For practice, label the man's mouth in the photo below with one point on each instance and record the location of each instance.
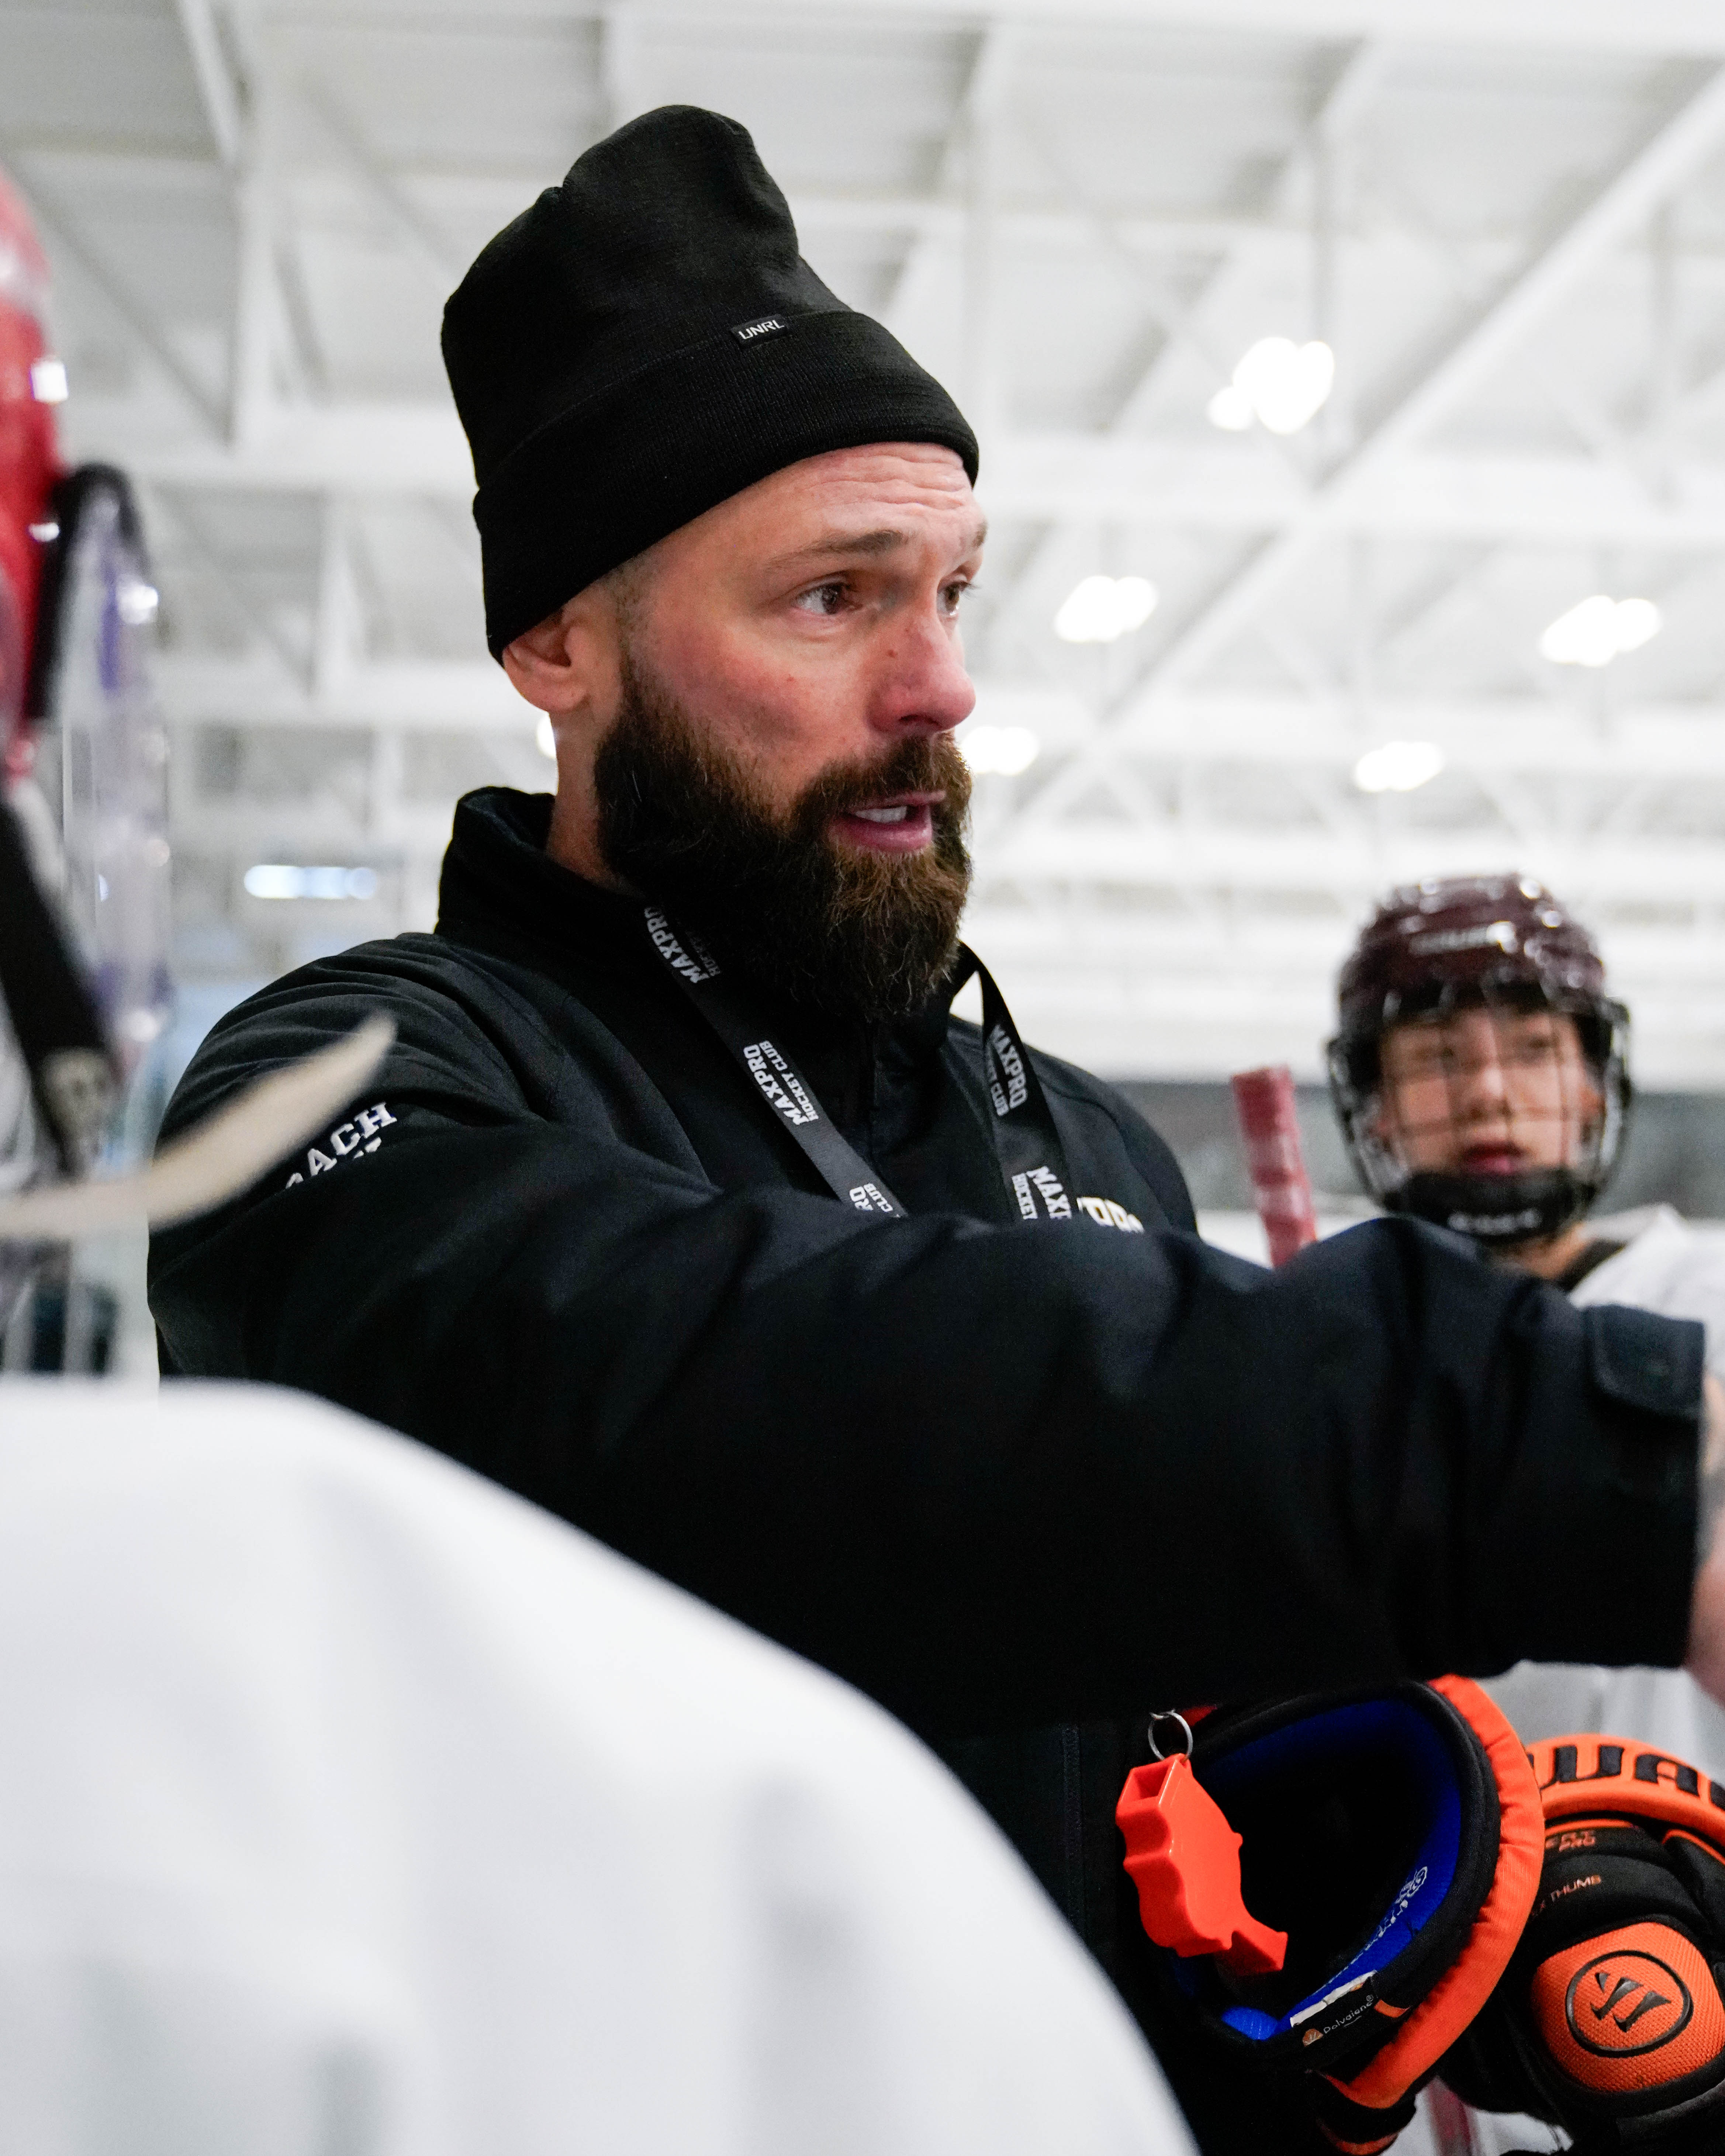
(902, 823)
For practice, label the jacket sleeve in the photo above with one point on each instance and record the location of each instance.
(995, 1475)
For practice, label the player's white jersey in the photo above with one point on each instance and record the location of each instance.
(1666, 1263)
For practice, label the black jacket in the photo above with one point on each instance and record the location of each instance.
(1021, 1482)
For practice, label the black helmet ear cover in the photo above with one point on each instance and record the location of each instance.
(1395, 1838)
(1610, 2020)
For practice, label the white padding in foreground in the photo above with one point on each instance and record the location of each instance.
(349, 1806)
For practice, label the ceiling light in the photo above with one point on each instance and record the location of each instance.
(47, 381)
(1585, 636)
(1600, 629)
(135, 602)
(1101, 608)
(1008, 750)
(1280, 383)
(1397, 768)
(1637, 622)
(285, 880)
(1230, 408)
(545, 738)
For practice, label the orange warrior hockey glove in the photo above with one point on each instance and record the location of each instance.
(1610, 2020)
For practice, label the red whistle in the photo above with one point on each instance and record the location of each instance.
(1183, 1858)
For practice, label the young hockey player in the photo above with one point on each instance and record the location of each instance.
(1481, 1074)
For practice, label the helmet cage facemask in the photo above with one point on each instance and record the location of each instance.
(1498, 1212)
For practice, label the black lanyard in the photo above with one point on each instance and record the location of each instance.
(1027, 1146)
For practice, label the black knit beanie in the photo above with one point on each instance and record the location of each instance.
(646, 341)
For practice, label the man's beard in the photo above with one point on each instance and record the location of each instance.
(773, 893)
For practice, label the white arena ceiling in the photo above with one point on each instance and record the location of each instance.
(1507, 219)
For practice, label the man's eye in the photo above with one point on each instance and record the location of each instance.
(952, 593)
(822, 599)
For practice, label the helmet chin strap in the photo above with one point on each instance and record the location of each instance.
(1498, 1212)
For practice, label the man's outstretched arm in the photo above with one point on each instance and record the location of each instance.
(994, 1475)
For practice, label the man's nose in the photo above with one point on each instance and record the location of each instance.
(924, 686)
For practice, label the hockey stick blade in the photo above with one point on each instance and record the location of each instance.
(270, 1119)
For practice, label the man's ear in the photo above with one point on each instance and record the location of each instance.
(539, 664)
(567, 661)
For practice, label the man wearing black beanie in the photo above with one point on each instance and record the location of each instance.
(684, 1207)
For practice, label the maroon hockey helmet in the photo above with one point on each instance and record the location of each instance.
(1431, 949)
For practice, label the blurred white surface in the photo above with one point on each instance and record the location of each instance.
(348, 1803)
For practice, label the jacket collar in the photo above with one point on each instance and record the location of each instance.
(500, 887)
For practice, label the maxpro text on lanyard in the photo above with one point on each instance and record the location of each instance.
(1027, 1146)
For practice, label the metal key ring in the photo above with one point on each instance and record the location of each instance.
(1155, 1750)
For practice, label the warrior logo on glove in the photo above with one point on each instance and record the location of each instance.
(1656, 2004)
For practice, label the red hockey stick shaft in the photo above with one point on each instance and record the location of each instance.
(1264, 1101)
